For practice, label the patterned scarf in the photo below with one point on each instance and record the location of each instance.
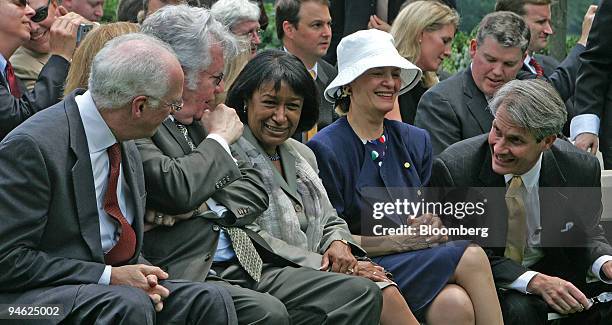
(280, 219)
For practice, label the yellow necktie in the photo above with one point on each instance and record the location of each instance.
(313, 74)
(516, 237)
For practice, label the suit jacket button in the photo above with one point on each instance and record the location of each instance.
(215, 227)
(298, 208)
(207, 257)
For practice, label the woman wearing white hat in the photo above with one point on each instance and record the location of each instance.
(363, 158)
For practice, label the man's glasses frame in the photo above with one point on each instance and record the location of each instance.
(218, 78)
(173, 106)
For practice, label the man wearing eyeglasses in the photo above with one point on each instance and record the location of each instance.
(241, 17)
(16, 25)
(192, 168)
(72, 201)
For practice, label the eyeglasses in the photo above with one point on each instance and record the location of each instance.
(255, 32)
(173, 106)
(41, 13)
(218, 78)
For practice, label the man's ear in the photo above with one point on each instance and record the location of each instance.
(473, 47)
(548, 142)
(288, 29)
(138, 106)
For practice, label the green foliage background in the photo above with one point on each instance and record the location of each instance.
(471, 12)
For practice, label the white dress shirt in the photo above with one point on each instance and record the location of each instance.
(533, 250)
(99, 138)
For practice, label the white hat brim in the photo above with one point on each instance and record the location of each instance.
(409, 74)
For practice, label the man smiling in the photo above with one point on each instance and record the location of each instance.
(457, 108)
(30, 58)
(549, 252)
(16, 103)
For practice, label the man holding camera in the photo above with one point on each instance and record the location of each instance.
(16, 25)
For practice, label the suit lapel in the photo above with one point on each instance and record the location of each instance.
(177, 135)
(476, 102)
(322, 76)
(82, 180)
(288, 165)
(129, 161)
(196, 132)
(552, 198)
(550, 174)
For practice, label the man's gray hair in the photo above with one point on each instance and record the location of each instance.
(506, 28)
(121, 71)
(191, 32)
(532, 104)
(232, 12)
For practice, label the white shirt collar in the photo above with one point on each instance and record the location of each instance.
(315, 69)
(99, 135)
(526, 62)
(531, 177)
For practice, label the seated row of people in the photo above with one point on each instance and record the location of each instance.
(245, 211)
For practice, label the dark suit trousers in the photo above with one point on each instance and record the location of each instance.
(188, 303)
(300, 295)
(522, 309)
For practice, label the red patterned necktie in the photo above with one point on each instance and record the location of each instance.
(538, 68)
(126, 245)
(12, 80)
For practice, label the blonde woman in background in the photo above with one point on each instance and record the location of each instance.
(78, 75)
(423, 33)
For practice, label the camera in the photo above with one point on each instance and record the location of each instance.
(83, 30)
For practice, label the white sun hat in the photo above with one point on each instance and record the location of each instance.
(366, 49)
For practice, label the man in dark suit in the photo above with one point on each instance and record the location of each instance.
(72, 200)
(16, 102)
(537, 15)
(548, 242)
(594, 89)
(304, 28)
(457, 108)
(192, 167)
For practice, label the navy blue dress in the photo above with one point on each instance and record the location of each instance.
(356, 174)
